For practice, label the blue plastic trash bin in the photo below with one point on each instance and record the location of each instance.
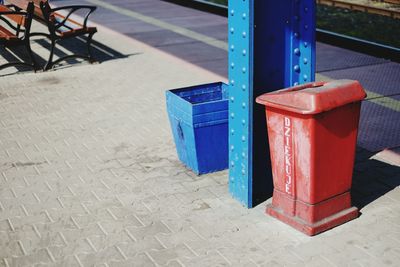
(199, 121)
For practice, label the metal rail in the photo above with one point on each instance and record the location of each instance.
(344, 41)
(363, 8)
(391, 1)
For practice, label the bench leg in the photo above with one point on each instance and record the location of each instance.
(49, 63)
(89, 51)
(32, 58)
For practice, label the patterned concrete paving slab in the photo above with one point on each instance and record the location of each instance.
(384, 79)
(390, 156)
(379, 127)
(89, 177)
(331, 58)
(161, 38)
(218, 31)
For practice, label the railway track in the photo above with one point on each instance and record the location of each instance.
(364, 8)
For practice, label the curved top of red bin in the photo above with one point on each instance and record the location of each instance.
(313, 98)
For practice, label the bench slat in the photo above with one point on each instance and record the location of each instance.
(68, 23)
(23, 4)
(19, 19)
(71, 26)
(6, 34)
(58, 28)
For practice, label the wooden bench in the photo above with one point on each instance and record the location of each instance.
(60, 25)
(15, 31)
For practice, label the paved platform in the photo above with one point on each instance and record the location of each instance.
(89, 175)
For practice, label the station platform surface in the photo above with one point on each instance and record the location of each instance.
(89, 175)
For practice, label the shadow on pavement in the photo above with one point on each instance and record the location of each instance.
(15, 54)
(100, 52)
(372, 178)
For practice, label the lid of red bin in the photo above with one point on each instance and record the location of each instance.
(313, 98)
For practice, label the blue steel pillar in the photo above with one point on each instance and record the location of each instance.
(271, 46)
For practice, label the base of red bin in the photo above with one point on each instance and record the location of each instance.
(317, 227)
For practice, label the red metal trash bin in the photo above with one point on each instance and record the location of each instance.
(312, 131)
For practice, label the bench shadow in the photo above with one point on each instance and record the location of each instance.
(15, 54)
(101, 53)
(372, 178)
(77, 45)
